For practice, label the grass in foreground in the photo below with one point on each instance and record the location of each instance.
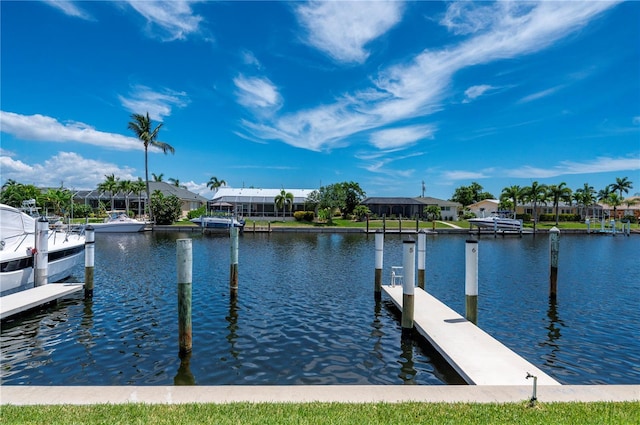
(328, 413)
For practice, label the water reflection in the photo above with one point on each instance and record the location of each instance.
(553, 334)
(232, 327)
(184, 376)
(407, 369)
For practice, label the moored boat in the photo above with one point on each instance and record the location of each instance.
(119, 222)
(497, 221)
(17, 251)
(219, 222)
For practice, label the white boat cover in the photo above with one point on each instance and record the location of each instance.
(14, 222)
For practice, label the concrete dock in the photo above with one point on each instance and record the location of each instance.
(477, 357)
(19, 302)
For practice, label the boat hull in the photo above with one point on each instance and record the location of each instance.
(496, 223)
(124, 227)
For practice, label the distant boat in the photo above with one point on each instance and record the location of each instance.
(218, 222)
(497, 221)
(17, 251)
(119, 222)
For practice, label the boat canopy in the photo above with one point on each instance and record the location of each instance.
(14, 223)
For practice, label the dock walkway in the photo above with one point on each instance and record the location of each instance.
(19, 302)
(474, 354)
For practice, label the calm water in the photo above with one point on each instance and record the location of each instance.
(305, 313)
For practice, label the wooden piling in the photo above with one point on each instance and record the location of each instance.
(185, 267)
(554, 249)
(89, 259)
(233, 271)
(471, 281)
(408, 284)
(41, 271)
(379, 241)
(422, 251)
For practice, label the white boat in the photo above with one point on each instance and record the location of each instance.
(497, 221)
(17, 248)
(119, 222)
(218, 222)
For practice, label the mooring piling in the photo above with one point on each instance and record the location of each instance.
(184, 257)
(408, 284)
(554, 249)
(422, 250)
(377, 289)
(233, 269)
(89, 258)
(471, 281)
(41, 272)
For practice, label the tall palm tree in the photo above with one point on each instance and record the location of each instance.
(157, 177)
(535, 193)
(513, 193)
(621, 185)
(109, 185)
(176, 183)
(603, 196)
(214, 183)
(284, 199)
(126, 187)
(142, 127)
(613, 200)
(557, 193)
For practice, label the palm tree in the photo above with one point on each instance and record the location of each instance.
(585, 196)
(557, 193)
(613, 200)
(141, 126)
(109, 185)
(126, 187)
(214, 183)
(513, 193)
(284, 199)
(534, 193)
(138, 187)
(621, 185)
(157, 177)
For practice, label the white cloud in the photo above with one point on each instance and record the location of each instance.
(418, 87)
(342, 29)
(168, 20)
(401, 137)
(540, 94)
(142, 99)
(249, 58)
(464, 175)
(69, 8)
(474, 92)
(254, 92)
(67, 167)
(465, 17)
(46, 129)
(598, 165)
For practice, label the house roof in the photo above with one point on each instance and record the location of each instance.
(248, 195)
(180, 192)
(379, 200)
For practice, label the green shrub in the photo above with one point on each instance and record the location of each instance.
(304, 216)
(197, 213)
(561, 217)
(524, 217)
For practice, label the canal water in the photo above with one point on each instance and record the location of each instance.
(306, 314)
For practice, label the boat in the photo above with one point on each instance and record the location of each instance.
(219, 222)
(499, 220)
(119, 222)
(17, 251)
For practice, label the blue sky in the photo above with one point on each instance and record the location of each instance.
(298, 94)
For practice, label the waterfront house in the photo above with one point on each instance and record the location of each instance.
(484, 208)
(410, 207)
(251, 202)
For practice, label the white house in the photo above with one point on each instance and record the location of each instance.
(250, 202)
(484, 208)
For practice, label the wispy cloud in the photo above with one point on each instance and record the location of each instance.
(541, 94)
(464, 175)
(256, 92)
(418, 86)
(46, 129)
(69, 8)
(394, 138)
(142, 99)
(67, 167)
(168, 20)
(475, 92)
(342, 29)
(599, 165)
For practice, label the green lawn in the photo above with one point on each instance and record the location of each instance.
(327, 413)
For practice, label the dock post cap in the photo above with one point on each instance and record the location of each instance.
(408, 241)
(554, 229)
(471, 241)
